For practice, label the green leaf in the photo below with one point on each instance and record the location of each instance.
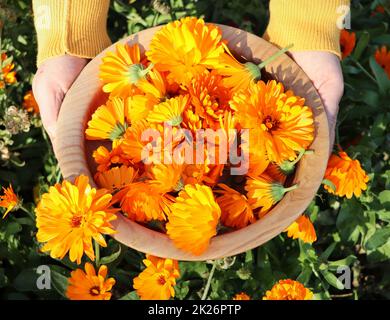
(59, 282)
(364, 39)
(130, 296)
(26, 280)
(379, 238)
(12, 228)
(111, 258)
(326, 254)
(333, 265)
(332, 279)
(384, 198)
(380, 75)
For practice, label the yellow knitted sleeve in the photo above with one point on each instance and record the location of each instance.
(307, 24)
(76, 27)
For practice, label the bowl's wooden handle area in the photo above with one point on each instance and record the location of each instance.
(85, 95)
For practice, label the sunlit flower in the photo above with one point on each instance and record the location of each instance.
(347, 43)
(193, 219)
(157, 281)
(116, 178)
(88, 285)
(9, 200)
(241, 296)
(236, 211)
(286, 124)
(169, 111)
(121, 70)
(264, 192)
(288, 290)
(274, 171)
(167, 177)
(303, 229)
(8, 76)
(106, 159)
(29, 103)
(109, 121)
(70, 215)
(256, 151)
(382, 57)
(185, 48)
(347, 176)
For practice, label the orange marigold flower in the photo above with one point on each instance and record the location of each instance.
(241, 296)
(121, 70)
(347, 176)
(193, 219)
(303, 229)
(169, 111)
(8, 76)
(29, 103)
(116, 178)
(264, 192)
(274, 171)
(157, 281)
(88, 285)
(167, 177)
(347, 43)
(109, 121)
(288, 290)
(107, 159)
(256, 150)
(286, 124)
(9, 200)
(143, 202)
(185, 48)
(236, 211)
(382, 57)
(70, 215)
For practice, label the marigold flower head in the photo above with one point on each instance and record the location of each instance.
(8, 76)
(121, 70)
(106, 159)
(169, 111)
(116, 178)
(70, 215)
(167, 177)
(236, 211)
(347, 43)
(255, 149)
(288, 290)
(274, 172)
(88, 285)
(157, 281)
(347, 176)
(9, 200)
(109, 121)
(241, 296)
(185, 48)
(382, 57)
(193, 219)
(303, 229)
(287, 125)
(29, 103)
(264, 192)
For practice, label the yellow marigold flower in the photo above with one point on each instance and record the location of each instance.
(264, 192)
(143, 202)
(157, 281)
(235, 207)
(8, 76)
(347, 176)
(241, 296)
(185, 48)
(70, 215)
(109, 121)
(29, 103)
(288, 290)
(193, 219)
(167, 177)
(169, 111)
(303, 229)
(88, 285)
(116, 178)
(9, 200)
(121, 71)
(287, 126)
(382, 57)
(105, 159)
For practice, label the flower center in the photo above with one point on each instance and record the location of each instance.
(95, 291)
(270, 123)
(161, 280)
(76, 221)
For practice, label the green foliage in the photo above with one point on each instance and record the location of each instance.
(351, 233)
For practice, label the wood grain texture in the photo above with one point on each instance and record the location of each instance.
(74, 153)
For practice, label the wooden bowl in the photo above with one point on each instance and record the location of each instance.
(74, 152)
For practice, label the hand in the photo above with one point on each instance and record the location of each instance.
(52, 81)
(324, 70)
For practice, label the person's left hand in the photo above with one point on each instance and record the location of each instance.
(324, 70)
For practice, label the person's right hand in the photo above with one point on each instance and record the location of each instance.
(52, 81)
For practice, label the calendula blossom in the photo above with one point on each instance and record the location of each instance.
(303, 229)
(29, 103)
(241, 296)
(157, 281)
(8, 75)
(116, 178)
(70, 215)
(87, 285)
(106, 159)
(288, 290)
(169, 111)
(347, 42)
(382, 57)
(9, 200)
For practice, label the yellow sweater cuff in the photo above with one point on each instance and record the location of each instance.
(307, 24)
(75, 27)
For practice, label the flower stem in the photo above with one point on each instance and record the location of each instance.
(275, 56)
(293, 187)
(207, 288)
(97, 254)
(301, 154)
(364, 70)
